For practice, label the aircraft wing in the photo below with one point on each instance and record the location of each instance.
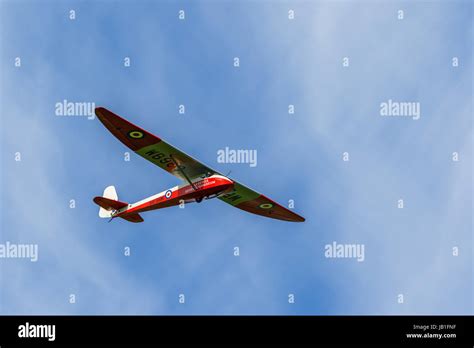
(151, 147)
(251, 201)
(169, 158)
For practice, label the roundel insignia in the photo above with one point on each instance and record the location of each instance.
(168, 194)
(266, 206)
(136, 134)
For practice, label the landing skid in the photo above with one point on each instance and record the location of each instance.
(199, 199)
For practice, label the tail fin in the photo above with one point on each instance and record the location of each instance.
(109, 202)
(110, 193)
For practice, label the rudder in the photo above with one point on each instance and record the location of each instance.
(108, 202)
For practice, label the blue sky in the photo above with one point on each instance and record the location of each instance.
(189, 251)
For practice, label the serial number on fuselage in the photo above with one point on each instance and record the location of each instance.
(199, 185)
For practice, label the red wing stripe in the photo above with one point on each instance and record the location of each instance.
(129, 134)
(266, 207)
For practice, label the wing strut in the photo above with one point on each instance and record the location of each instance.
(180, 168)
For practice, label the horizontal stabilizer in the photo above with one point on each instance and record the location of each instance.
(133, 217)
(109, 204)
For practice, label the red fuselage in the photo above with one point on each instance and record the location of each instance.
(186, 193)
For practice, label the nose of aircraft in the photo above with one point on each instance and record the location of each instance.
(226, 182)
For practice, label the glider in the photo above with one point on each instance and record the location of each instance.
(199, 181)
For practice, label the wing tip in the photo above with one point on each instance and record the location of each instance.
(299, 219)
(293, 218)
(100, 108)
(102, 112)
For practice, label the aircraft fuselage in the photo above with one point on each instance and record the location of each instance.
(185, 193)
